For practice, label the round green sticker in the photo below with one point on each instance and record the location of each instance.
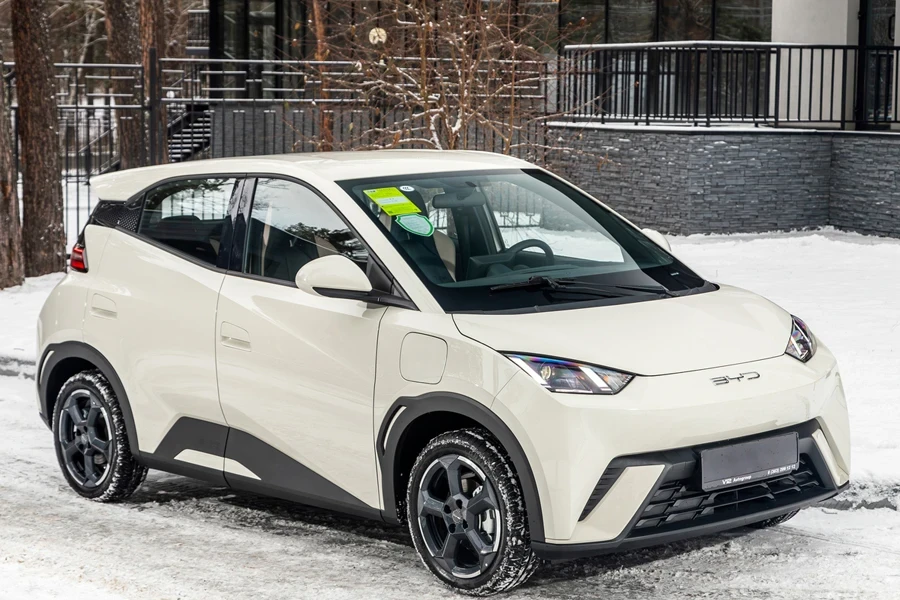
(416, 224)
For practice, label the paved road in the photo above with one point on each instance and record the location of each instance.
(182, 539)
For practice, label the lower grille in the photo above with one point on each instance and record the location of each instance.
(682, 503)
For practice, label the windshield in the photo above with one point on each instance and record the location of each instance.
(516, 240)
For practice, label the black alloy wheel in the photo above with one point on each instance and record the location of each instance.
(85, 439)
(459, 516)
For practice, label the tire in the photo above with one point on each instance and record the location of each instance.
(91, 441)
(774, 521)
(486, 511)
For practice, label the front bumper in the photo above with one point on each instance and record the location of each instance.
(677, 508)
(570, 441)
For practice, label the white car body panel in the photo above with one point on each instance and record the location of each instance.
(658, 337)
(302, 379)
(161, 343)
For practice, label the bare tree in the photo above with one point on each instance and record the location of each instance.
(12, 269)
(319, 19)
(457, 74)
(43, 234)
(153, 35)
(124, 47)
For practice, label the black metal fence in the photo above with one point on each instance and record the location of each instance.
(202, 108)
(707, 83)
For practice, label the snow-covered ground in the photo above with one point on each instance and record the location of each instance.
(182, 539)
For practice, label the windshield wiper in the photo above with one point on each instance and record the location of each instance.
(537, 282)
(571, 286)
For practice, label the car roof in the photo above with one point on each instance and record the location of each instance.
(331, 166)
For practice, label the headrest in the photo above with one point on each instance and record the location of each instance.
(452, 200)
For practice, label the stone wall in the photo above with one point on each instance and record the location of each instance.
(702, 181)
(865, 195)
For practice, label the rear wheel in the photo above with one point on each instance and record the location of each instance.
(91, 441)
(774, 520)
(466, 514)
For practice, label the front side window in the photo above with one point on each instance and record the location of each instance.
(188, 216)
(517, 239)
(290, 225)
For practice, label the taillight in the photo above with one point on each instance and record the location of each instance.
(78, 259)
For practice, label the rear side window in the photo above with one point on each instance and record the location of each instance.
(188, 216)
(290, 226)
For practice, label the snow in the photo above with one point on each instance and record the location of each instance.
(19, 308)
(178, 538)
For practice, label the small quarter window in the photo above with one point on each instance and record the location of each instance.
(290, 226)
(188, 216)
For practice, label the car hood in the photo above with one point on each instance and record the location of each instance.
(656, 337)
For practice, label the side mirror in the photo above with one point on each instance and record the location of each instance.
(337, 276)
(658, 239)
(336, 272)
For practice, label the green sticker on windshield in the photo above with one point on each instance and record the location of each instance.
(392, 201)
(416, 224)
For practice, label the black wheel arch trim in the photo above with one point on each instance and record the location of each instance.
(54, 354)
(407, 409)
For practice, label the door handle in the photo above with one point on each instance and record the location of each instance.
(235, 337)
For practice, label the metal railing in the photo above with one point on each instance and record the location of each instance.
(707, 83)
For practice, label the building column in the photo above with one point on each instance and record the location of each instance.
(806, 74)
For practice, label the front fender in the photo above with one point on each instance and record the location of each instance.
(403, 414)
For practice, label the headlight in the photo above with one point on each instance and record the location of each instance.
(802, 344)
(571, 377)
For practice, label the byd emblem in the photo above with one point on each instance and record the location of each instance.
(748, 376)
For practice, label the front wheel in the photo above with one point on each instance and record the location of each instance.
(466, 514)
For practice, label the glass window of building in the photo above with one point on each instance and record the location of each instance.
(583, 21)
(744, 20)
(632, 21)
(685, 20)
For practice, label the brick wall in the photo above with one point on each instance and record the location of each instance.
(698, 182)
(865, 172)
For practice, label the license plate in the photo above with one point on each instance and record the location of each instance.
(739, 464)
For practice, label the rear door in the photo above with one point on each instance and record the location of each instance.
(152, 313)
(296, 371)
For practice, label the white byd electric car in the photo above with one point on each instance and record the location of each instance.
(456, 341)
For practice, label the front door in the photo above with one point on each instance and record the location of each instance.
(296, 371)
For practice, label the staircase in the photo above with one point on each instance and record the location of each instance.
(189, 133)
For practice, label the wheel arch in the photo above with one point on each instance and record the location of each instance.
(410, 420)
(61, 361)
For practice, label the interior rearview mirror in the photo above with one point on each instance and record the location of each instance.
(337, 276)
(658, 239)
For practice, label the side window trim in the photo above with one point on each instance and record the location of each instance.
(140, 199)
(240, 241)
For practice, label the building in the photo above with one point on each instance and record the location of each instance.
(275, 29)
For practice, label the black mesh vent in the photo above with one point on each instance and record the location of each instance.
(682, 503)
(129, 217)
(107, 213)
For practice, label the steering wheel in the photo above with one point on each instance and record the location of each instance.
(515, 249)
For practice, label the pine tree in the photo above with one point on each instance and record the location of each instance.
(124, 47)
(12, 270)
(43, 234)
